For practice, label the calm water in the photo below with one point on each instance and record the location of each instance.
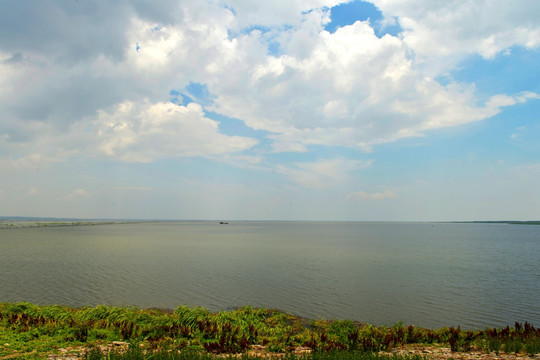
(434, 275)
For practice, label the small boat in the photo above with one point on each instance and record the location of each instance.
(223, 222)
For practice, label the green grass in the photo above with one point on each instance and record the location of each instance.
(31, 330)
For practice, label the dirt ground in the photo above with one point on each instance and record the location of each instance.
(427, 352)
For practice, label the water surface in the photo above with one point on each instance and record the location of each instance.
(433, 275)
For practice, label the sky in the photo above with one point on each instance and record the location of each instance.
(382, 110)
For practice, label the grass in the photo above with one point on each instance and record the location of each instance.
(28, 331)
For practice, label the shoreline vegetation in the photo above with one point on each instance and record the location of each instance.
(29, 331)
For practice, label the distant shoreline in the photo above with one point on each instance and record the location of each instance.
(510, 222)
(61, 221)
(26, 223)
(20, 224)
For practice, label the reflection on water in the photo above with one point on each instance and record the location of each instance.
(473, 275)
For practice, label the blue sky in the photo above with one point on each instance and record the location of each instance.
(380, 110)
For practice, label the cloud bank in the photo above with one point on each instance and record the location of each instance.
(132, 107)
(94, 79)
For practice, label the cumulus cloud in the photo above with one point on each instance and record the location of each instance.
(349, 88)
(454, 28)
(146, 132)
(362, 195)
(63, 74)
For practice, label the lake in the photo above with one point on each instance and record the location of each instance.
(427, 274)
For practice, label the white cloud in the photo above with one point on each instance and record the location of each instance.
(335, 109)
(31, 161)
(455, 28)
(78, 194)
(322, 174)
(350, 88)
(146, 132)
(362, 195)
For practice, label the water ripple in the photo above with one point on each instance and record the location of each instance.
(453, 274)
